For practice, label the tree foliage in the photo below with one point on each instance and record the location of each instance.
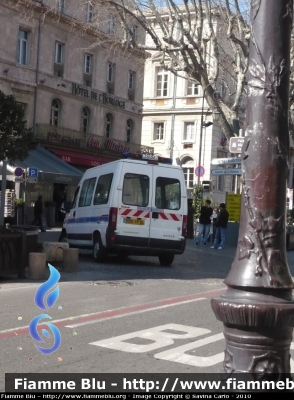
(15, 137)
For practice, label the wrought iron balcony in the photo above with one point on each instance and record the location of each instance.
(50, 134)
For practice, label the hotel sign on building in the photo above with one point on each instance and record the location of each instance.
(104, 98)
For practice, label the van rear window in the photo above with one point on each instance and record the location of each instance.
(136, 190)
(168, 193)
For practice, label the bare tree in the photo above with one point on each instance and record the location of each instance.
(205, 41)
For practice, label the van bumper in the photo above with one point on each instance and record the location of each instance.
(144, 246)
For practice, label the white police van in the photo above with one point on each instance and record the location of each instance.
(136, 205)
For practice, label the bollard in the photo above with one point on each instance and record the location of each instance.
(37, 265)
(70, 260)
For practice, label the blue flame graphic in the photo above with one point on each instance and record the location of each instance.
(35, 335)
(45, 287)
(52, 297)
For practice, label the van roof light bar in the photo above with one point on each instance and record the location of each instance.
(147, 157)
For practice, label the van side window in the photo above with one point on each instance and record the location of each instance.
(87, 192)
(168, 193)
(136, 190)
(74, 200)
(103, 189)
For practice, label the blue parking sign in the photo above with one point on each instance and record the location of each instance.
(33, 173)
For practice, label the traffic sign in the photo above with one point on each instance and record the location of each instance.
(32, 179)
(223, 161)
(18, 179)
(33, 172)
(199, 171)
(18, 171)
(227, 171)
(236, 144)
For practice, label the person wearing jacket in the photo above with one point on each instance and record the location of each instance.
(204, 223)
(221, 227)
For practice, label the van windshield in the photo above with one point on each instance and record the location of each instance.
(136, 190)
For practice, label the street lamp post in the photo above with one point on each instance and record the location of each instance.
(215, 115)
(257, 309)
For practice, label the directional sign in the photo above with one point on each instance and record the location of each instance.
(18, 171)
(33, 172)
(227, 171)
(199, 171)
(236, 144)
(223, 161)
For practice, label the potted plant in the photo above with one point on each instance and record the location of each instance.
(20, 207)
(50, 205)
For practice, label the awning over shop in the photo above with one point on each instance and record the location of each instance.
(50, 167)
(76, 158)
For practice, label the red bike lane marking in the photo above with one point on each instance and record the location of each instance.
(102, 315)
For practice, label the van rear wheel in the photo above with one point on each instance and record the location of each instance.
(166, 259)
(99, 251)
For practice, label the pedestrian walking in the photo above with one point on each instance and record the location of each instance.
(204, 223)
(38, 210)
(221, 227)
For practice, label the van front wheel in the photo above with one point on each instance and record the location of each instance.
(99, 251)
(166, 259)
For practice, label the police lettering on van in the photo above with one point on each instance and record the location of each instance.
(136, 205)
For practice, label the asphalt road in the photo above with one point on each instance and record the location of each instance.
(127, 316)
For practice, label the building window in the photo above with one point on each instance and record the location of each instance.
(55, 113)
(134, 33)
(110, 78)
(188, 169)
(192, 89)
(61, 6)
(88, 64)
(22, 46)
(189, 130)
(108, 125)
(129, 130)
(220, 182)
(131, 85)
(58, 53)
(85, 120)
(161, 87)
(189, 176)
(88, 61)
(110, 25)
(58, 60)
(158, 131)
(89, 12)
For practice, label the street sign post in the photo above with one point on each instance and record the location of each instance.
(199, 171)
(236, 144)
(223, 161)
(32, 175)
(33, 172)
(227, 171)
(18, 173)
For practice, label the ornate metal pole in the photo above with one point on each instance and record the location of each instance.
(257, 309)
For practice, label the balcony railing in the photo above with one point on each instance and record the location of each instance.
(50, 134)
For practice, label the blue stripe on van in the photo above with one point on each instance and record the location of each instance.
(99, 218)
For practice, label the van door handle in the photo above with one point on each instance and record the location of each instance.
(74, 214)
(155, 214)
